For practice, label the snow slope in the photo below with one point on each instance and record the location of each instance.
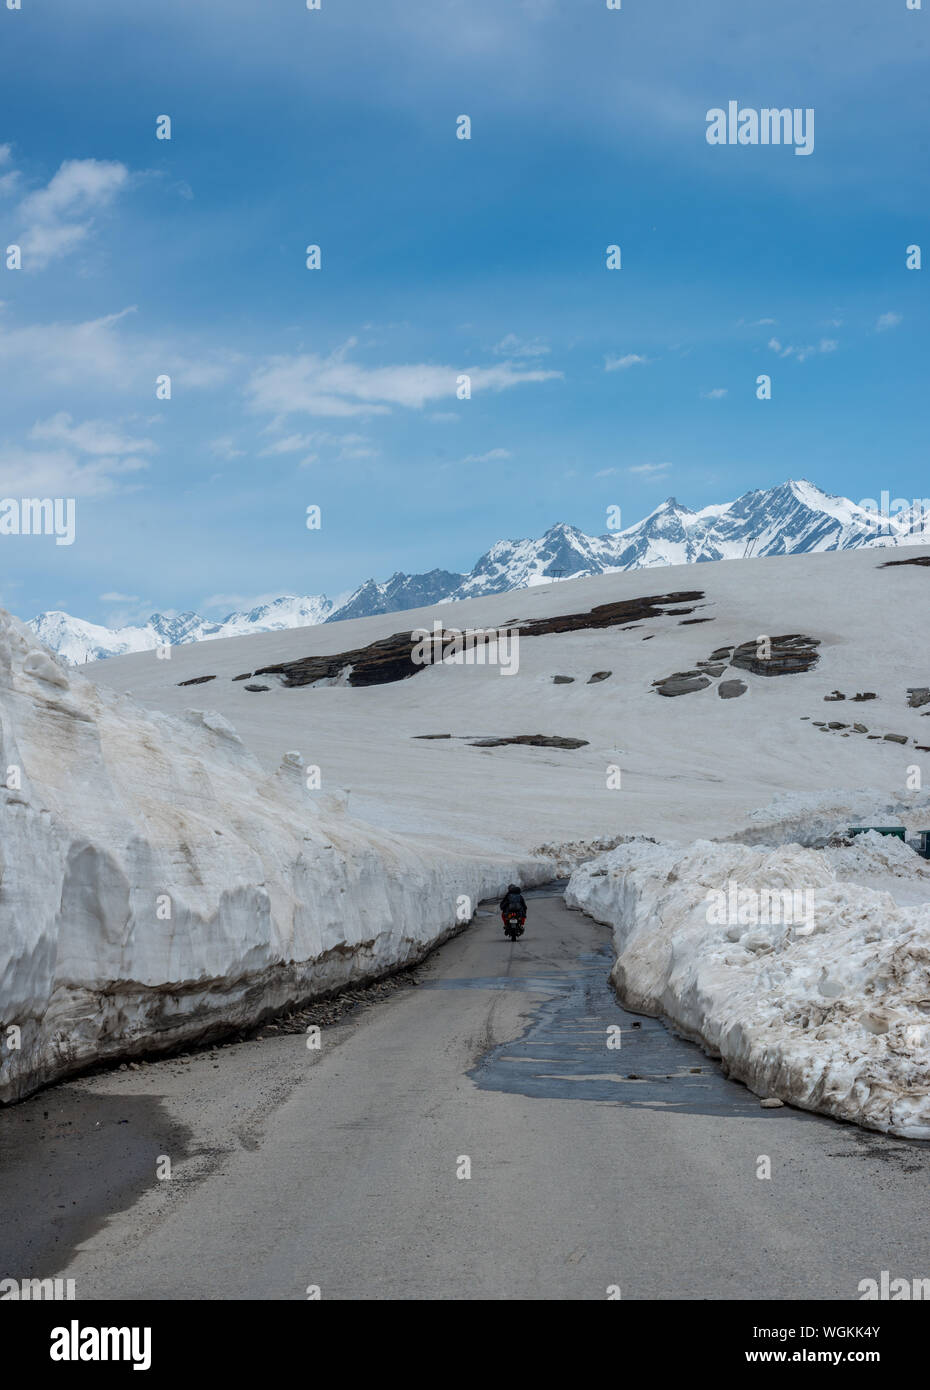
(693, 765)
(157, 884)
(829, 1011)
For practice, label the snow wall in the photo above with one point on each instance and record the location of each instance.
(828, 1010)
(157, 886)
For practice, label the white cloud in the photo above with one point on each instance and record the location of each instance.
(717, 394)
(801, 354)
(197, 371)
(109, 456)
(67, 353)
(489, 457)
(58, 473)
(56, 219)
(130, 610)
(621, 364)
(348, 446)
(333, 386)
(9, 182)
(91, 437)
(512, 346)
(886, 321)
(649, 468)
(98, 353)
(355, 448)
(606, 472)
(225, 448)
(292, 444)
(235, 603)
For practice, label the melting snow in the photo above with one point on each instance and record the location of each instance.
(829, 1013)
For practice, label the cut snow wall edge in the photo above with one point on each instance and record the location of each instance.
(668, 967)
(78, 1025)
(275, 899)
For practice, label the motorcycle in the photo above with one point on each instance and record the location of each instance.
(513, 924)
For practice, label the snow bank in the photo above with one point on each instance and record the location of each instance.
(829, 1010)
(157, 885)
(566, 855)
(814, 818)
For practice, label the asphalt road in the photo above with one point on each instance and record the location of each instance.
(591, 1166)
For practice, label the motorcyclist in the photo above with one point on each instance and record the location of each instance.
(513, 901)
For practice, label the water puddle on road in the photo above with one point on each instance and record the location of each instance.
(564, 1053)
(70, 1158)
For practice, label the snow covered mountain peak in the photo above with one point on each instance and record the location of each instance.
(794, 517)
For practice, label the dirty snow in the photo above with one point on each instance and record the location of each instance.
(829, 1011)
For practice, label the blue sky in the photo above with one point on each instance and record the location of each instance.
(440, 256)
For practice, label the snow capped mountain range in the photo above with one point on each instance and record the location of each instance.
(77, 641)
(794, 517)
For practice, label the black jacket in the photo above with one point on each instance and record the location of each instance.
(513, 901)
